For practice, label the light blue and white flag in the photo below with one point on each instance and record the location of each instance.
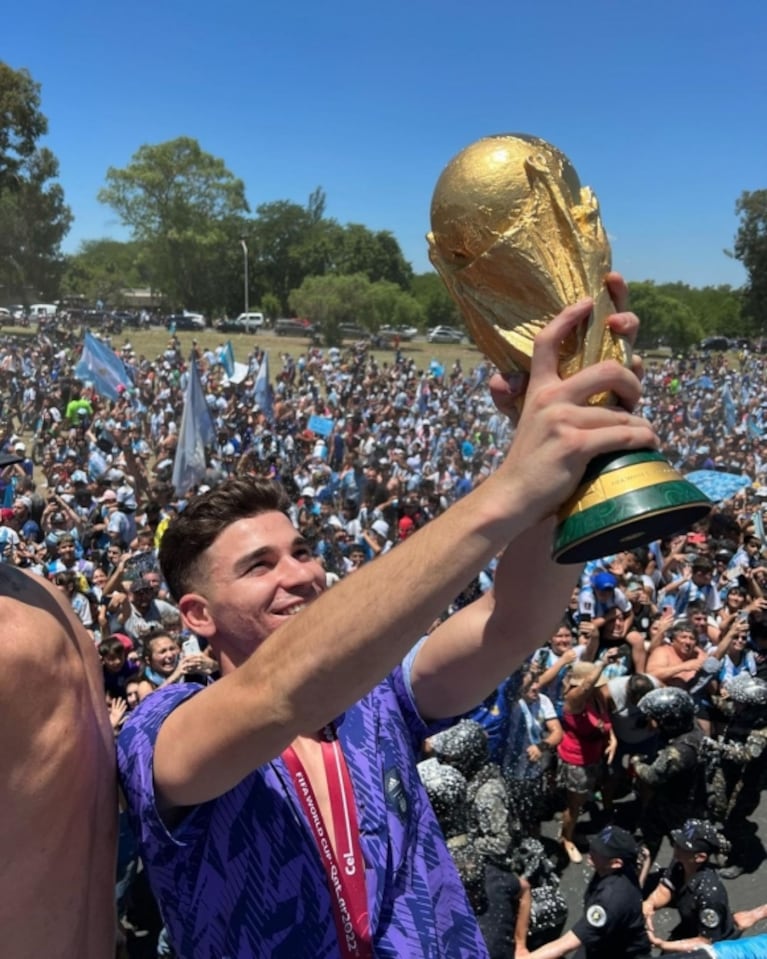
(728, 408)
(197, 433)
(100, 366)
(226, 358)
(262, 390)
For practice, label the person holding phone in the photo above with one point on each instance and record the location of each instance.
(166, 663)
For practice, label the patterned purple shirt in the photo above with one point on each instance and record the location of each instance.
(241, 876)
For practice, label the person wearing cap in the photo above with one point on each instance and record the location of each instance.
(227, 784)
(612, 924)
(377, 537)
(140, 610)
(587, 741)
(600, 595)
(120, 506)
(692, 886)
(28, 529)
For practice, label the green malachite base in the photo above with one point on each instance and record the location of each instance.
(591, 527)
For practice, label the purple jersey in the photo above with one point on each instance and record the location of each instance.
(241, 876)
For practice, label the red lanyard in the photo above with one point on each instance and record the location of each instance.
(347, 881)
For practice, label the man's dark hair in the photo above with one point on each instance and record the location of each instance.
(195, 529)
(111, 646)
(682, 626)
(638, 685)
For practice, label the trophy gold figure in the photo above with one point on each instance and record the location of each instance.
(516, 238)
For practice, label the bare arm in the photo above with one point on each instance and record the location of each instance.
(556, 948)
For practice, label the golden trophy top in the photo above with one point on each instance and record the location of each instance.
(516, 238)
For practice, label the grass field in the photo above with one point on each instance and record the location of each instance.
(152, 342)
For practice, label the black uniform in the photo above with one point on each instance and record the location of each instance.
(612, 923)
(702, 903)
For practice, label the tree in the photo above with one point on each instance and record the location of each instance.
(665, 320)
(34, 218)
(21, 123)
(438, 306)
(388, 305)
(102, 269)
(751, 249)
(356, 249)
(289, 242)
(331, 300)
(185, 206)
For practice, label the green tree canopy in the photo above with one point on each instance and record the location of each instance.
(21, 123)
(34, 218)
(330, 300)
(751, 249)
(438, 306)
(665, 320)
(186, 207)
(103, 269)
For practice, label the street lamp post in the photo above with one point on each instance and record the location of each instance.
(244, 246)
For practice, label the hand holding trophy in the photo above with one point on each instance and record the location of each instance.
(516, 239)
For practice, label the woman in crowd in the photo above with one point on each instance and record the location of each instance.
(533, 736)
(165, 663)
(588, 739)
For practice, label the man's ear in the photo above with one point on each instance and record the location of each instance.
(196, 614)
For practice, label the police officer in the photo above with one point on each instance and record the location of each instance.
(674, 774)
(736, 763)
(691, 884)
(612, 923)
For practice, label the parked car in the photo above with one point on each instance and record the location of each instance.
(43, 309)
(244, 323)
(444, 334)
(715, 343)
(351, 331)
(389, 333)
(293, 328)
(126, 318)
(186, 321)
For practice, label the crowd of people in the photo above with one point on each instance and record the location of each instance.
(641, 703)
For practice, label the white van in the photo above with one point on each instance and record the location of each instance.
(43, 309)
(250, 321)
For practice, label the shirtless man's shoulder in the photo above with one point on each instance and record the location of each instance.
(57, 779)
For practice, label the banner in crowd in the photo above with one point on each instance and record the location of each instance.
(262, 389)
(320, 424)
(101, 367)
(197, 432)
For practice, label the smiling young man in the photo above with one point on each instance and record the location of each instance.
(279, 810)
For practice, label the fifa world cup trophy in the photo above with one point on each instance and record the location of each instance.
(516, 238)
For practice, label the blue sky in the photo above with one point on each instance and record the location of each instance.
(660, 105)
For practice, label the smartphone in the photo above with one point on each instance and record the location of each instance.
(191, 646)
